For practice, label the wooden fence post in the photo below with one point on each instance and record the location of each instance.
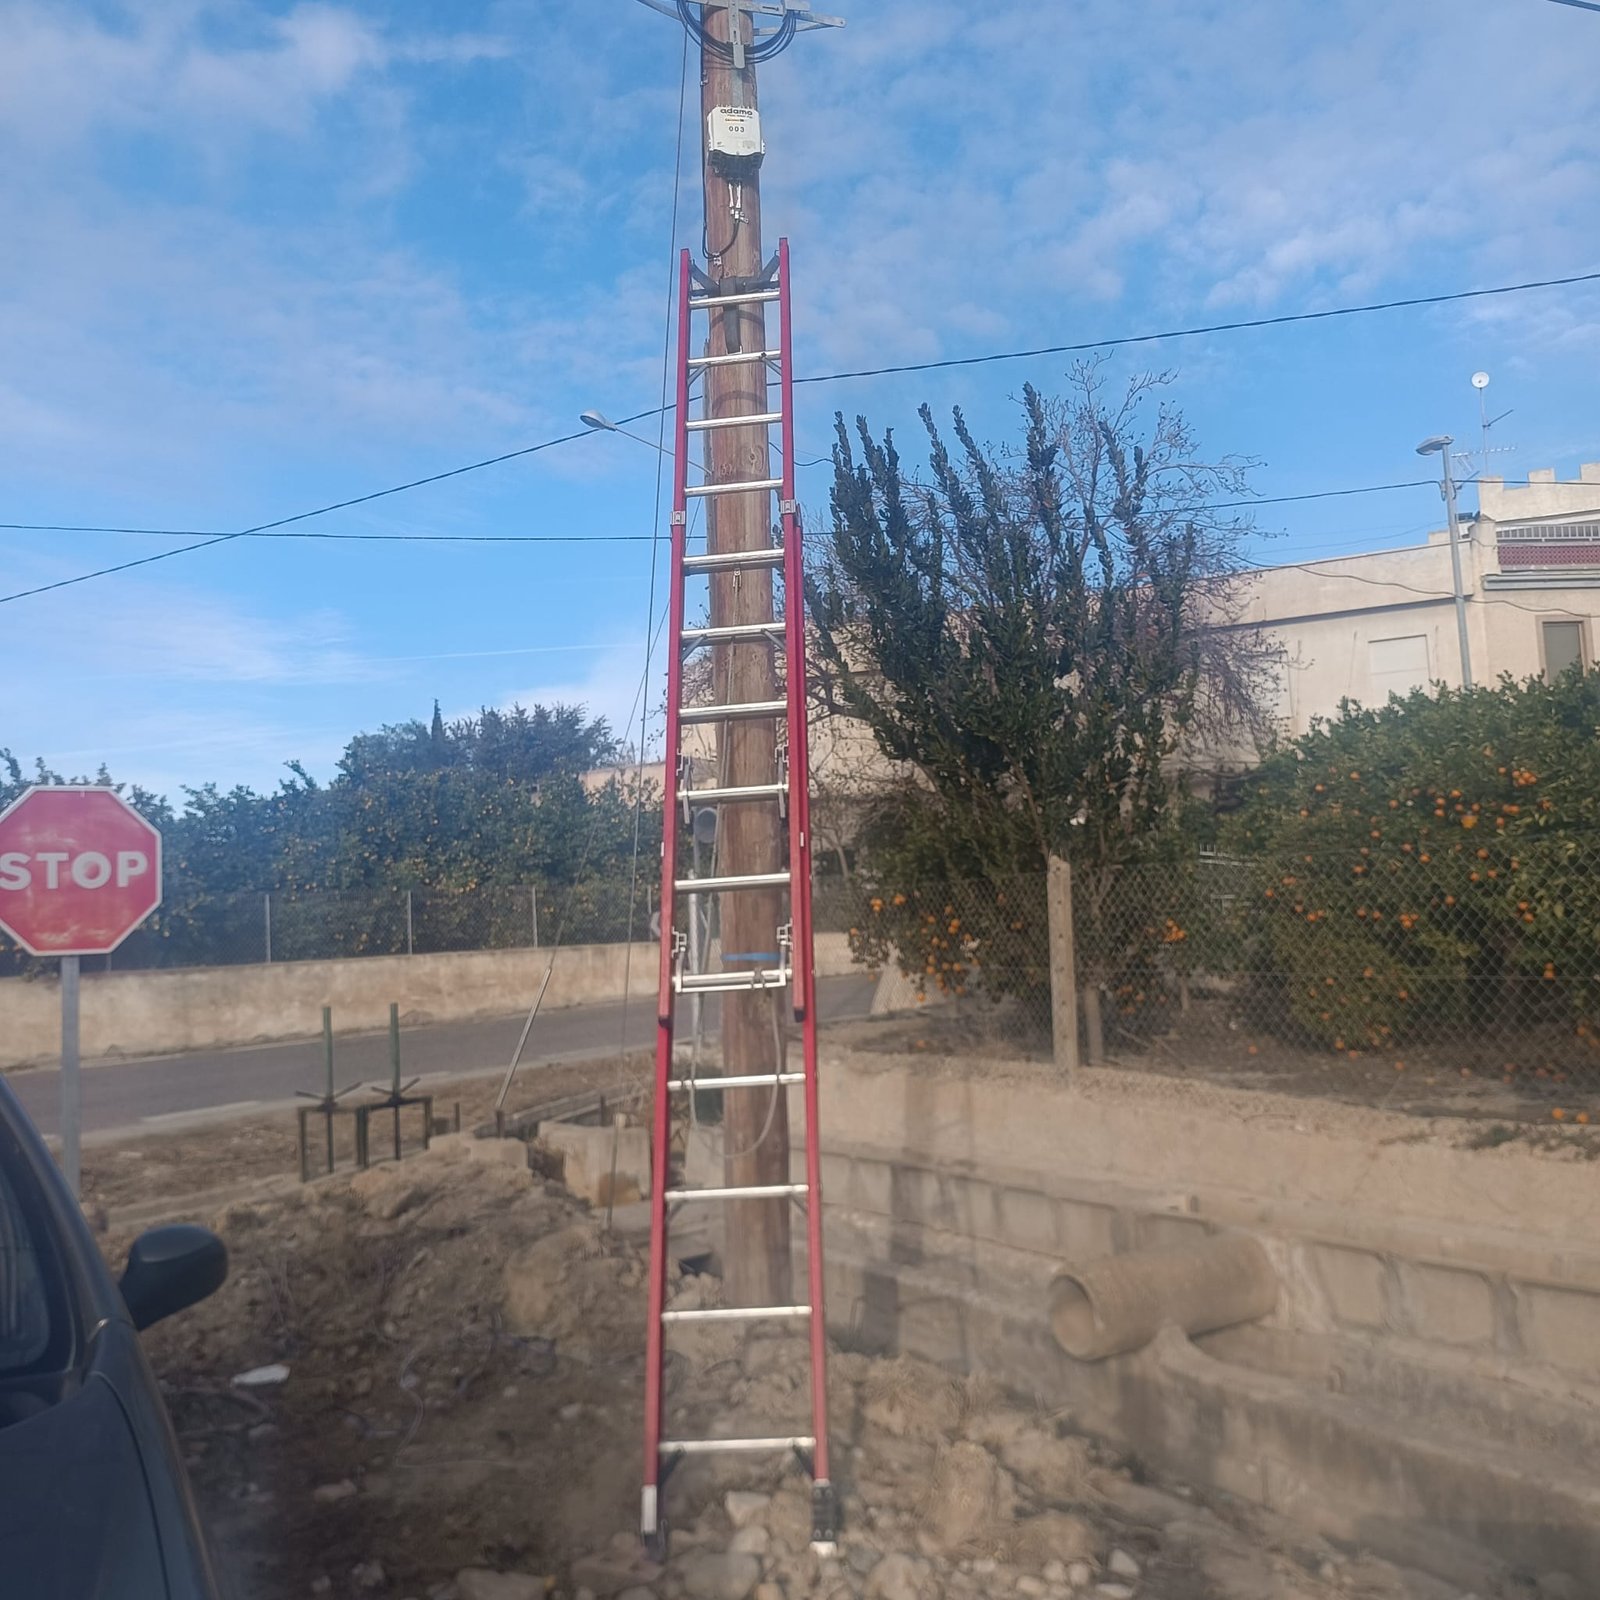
(1063, 967)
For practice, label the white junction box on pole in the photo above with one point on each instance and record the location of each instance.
(733, 133)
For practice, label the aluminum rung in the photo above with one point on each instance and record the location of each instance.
(758, 420)
(706, 1447)
(738, 358)
(698, 491)
(734, 633)
(748, 1191)
(727, 560)
(736, 1314)
(744, 880)
(733, 711)
(731, 982)
(746, 1080)
(748, 791)
(743, 297)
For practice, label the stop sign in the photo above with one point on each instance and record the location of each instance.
(80, 869)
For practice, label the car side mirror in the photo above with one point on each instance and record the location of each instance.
(170, 1269)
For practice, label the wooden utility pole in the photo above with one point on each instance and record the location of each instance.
(750, 836)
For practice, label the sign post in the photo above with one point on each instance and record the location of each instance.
(80, 869)
(71, 1088)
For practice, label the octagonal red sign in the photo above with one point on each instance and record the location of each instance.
(80, 869)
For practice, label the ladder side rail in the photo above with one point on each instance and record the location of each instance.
(650, 1509)
(824, 1513)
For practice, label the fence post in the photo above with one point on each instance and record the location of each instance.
(267, 911)
(1063, 966)
(410, 945)
(533, 906)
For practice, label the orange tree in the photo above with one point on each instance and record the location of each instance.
(1032, 638)
(1434, 865)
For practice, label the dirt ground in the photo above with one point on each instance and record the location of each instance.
(460, 1420)
(1530, 1083)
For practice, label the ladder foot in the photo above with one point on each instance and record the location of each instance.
(654, 1532)
(824, 1519)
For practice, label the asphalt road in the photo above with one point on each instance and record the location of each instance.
(165, 1091)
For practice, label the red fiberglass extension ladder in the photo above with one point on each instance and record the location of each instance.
(795, 968)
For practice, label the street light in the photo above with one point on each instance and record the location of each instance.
(601, 423)
(1439, 445)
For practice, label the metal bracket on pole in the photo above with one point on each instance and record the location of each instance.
(795, 14)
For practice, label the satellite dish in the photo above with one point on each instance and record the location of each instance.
(705, 825)
(1480, 380)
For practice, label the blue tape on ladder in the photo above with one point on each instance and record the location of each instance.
(749, 955)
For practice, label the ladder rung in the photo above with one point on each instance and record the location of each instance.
(705, 1447)
(760, 419)
(735, 1314)
(748, 791)
(731, 982)
(748, 1191)
(738, 358)
(719, 560)
(745, 880)
(748, 1080)
(700, 490)
(728, 713)
(743, 297)
(734, 633)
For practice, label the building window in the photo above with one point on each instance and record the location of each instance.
(1397, 666)
(1563, 646)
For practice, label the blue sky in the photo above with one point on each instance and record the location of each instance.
(259, 257)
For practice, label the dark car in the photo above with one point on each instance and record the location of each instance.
(94, 1503)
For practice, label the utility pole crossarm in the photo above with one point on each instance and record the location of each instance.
(794, 16)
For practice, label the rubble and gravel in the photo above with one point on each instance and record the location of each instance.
(462, 1422)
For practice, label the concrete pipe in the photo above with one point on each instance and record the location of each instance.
(1120, 1303)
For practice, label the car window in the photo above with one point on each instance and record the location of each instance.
(27, 1275)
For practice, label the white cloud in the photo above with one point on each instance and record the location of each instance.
(1240, 158)
(139, 634)
(610, 687)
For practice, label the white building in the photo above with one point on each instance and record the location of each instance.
(1354, 627)
(1365, 626)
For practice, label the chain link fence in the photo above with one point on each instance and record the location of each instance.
(329, 925)
(1462, 984)
(962, 966)
(1462, 981)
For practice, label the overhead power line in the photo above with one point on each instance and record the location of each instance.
(303, 516)
(1083, 346)
(214, 536)
(1288, 318)
(1319, 568)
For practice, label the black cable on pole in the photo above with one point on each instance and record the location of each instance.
(761, 48)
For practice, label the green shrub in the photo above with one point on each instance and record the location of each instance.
(1434, 864)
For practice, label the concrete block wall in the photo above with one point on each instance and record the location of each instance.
(207, 1008)
(1427, 1386)
(923, 1212)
